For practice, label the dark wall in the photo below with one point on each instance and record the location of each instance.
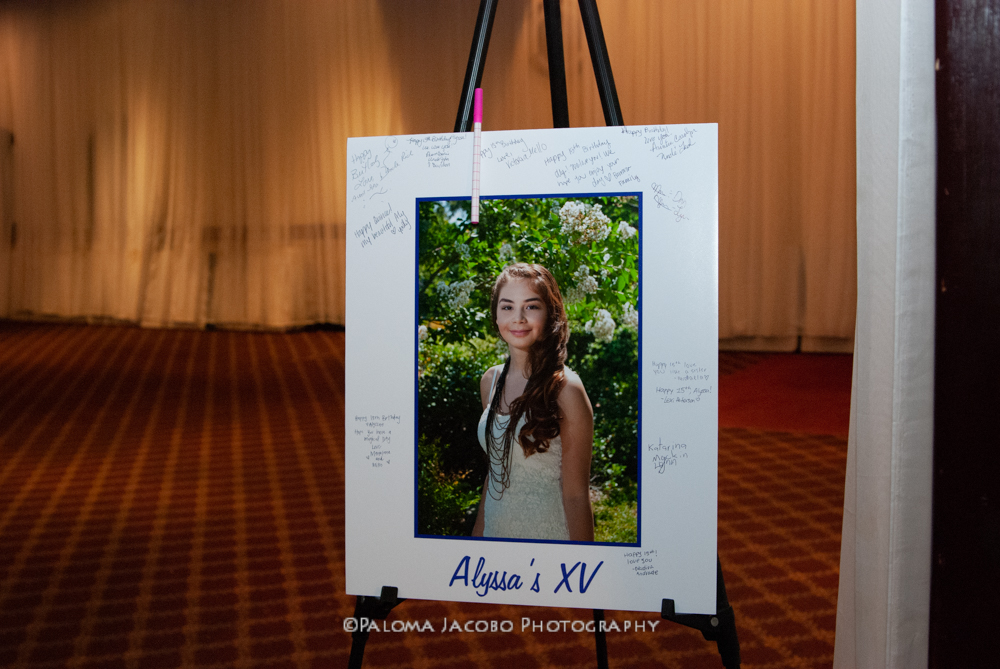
(966, 531)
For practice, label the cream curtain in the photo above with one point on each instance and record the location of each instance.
(883, 608)
(183, 162)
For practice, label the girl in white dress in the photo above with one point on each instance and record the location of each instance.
(537, 426)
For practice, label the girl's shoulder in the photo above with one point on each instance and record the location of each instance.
(488, 377)
(491, 373)
(486, 383)
(572, 379)
(573, 394)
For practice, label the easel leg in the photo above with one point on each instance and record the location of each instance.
(477, 59)
(720, 628)
(727, 640)
(368, 609)
(557, 64)
(602, 64)
(600, 639)
(358, 637)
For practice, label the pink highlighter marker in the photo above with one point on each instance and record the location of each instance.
(477, 128)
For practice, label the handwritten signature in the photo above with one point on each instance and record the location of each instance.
(672, 201)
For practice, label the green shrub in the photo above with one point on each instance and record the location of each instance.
(450, 404)
(615, 517)
(610, 373)
(446, 502)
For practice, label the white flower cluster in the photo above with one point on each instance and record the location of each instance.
(506, 252)
(456, 294)
(586, 223)
(626, 231)
(584, 281)
(463, 250)
(603, 327)
(501, 349)
(421, 336)
(630, 317)
(573, 295)
(571, 210)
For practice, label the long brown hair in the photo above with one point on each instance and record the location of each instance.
(539, 402)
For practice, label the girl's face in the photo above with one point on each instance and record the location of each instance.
(521, 314)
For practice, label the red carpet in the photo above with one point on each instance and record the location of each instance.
(806, 392)
(175, 498)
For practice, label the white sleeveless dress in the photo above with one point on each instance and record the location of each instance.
(532, 507)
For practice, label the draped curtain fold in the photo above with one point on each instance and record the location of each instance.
(184, 163)
(884, 604)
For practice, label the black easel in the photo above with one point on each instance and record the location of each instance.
(720, 627)
(372, 608)
(557, 66)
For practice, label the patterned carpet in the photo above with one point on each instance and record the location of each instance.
(175, 498)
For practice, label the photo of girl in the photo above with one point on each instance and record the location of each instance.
(537, 427)
(527, 370)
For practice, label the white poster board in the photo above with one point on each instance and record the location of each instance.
(672, 172)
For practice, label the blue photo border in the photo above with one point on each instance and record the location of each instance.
(416, 378)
